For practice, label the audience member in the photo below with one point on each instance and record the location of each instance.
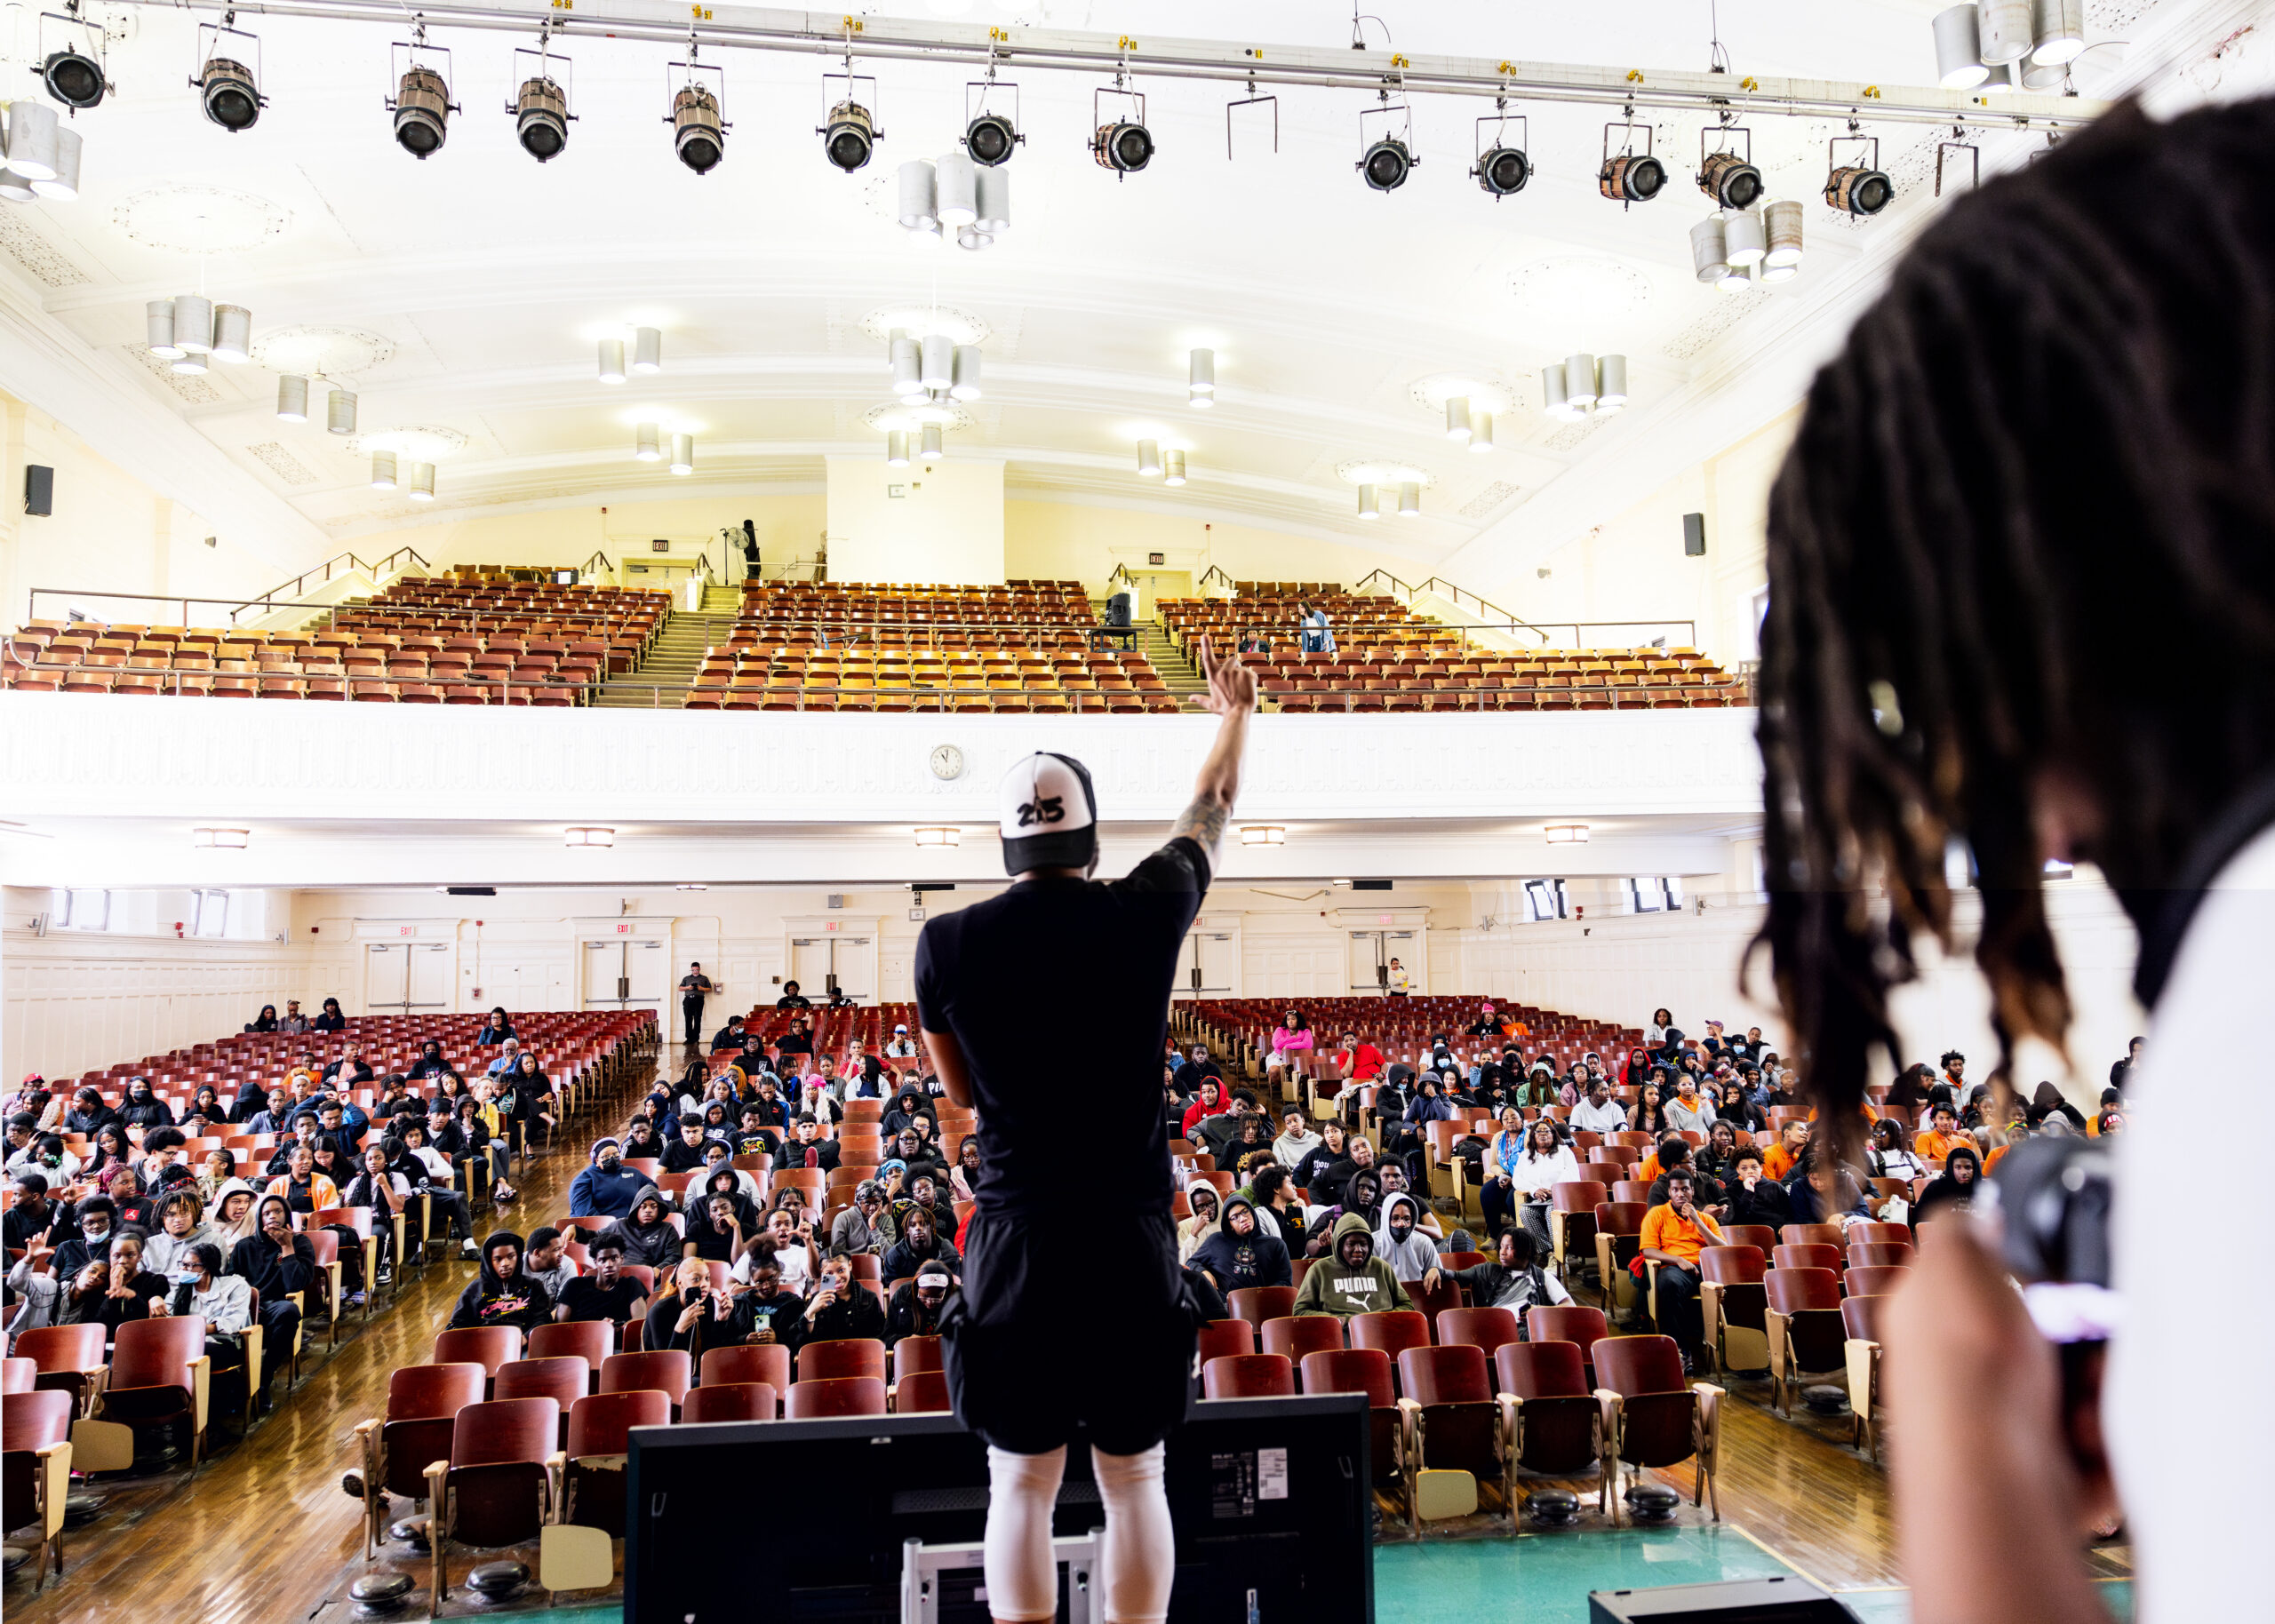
(1512, 1280)
(1674, 1232)
(1350, 1279)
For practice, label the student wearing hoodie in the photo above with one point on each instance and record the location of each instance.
(1201, 1196)
(1351, 1280)
(646, 1233)
(1243, 1251)
(1399, 1239)
(504, 1294)
(606, 1188)
(1296, 1140)
(276, 1262)
(1210, 1102)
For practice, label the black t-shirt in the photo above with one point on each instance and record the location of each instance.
(585, 1298)
(1107, 948)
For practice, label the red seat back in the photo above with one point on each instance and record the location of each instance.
(419, 1392)
(1630, 1365)
(667, 1370)
(1620, 1217)
(1248, 1376)
(1394, 1332)
(1895, 1234)
(1223, 1338)
(1731, 1265)
(1458, 1374)
(1760, 1236)
(520, 1430)
(1350, 1370)
(1299, 1334)
(730, 1401)
(30, 1420)
(63, 1350)
(922, 1391)
(1800, 1255)
(1257, 1303)
(767, 1362)
(563, 1380)
(1792, 1290)
(1811, 1235)
(1541, 1370)
(1578, 1197)
(1872, 1281)
(912, 1354)
(17, 1375)
(851, 1356)
(828, 1396)
(1567, 1323)
(1485, 1328)
(1860, 1315)
(1878, 1253)
(600, 1424)
(488, 1346)
(156, 1352)
(589, 1339)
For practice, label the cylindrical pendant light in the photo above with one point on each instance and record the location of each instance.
(64, 186)
(957, 190)
(611, 361)
(1480, 431)
(995, 200)
(930, 446)
(1710, 253)
(647, 443)
(938, 361)
(383, 471)
(194, 324)
(15, 188)
(1457, 424)
(1959, 47)
(1370, 504)
(340, 414)
(907, 367)
(647, 349)
(964, 371)
(1747, 237)
(32, 127)
(1611, 383)
(1149, 458)
(2000, 77)
(1782, 222)
(918, 211)
(232, 333)
(2006, 31)
(1200, 379)
(973, 240)
(1580, 380)
(292, 391)
(1553, 398)
(422, 482)
(2058, 29)
(158, 323)
(1173, 468)
(682, 453)
(191, 365)
(1409, 499)
(896, 449)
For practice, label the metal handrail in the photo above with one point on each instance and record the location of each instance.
(236, 606)
(1120, 572)
(1344, 631)
(294, 586)
(586, 567)
(1216, 572)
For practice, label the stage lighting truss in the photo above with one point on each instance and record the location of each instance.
(1502, 168)
(1122, 144)
(849, 131)
(1386, 163)
(1629, 177)
(540, 106)
(1959, 145)
(698, 112)
(1725, 170)
(421, 105)
(73, 66)
(229, 89)
(1863, 187)
(990, 134)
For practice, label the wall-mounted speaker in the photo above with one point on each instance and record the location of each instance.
(39, 490)
(1694, 535)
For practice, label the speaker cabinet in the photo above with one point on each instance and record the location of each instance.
(1694, 535)
(39, 490)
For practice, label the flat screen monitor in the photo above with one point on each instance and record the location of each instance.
(1271, 1499)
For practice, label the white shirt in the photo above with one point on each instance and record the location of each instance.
(1534, 1174)
(1610, 1118)
(797, 1274)
(2197, 1555)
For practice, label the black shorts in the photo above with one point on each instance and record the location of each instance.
(1062, 1327)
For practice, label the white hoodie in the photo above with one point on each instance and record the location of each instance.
(1417, 1254)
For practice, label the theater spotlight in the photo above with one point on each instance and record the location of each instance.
(1861, 187)
(990, 138)
(1386, 164)
(1628, 176)
(421, 103)
(1503, 170)
(72, 71)
(1123, 145)
(228, 90)
(1728, 176)
(850, 136)
(698, 117)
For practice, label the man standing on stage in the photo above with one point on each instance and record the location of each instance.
(692, 987)
(1042, 1342)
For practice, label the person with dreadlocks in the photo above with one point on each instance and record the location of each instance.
(2053, 434)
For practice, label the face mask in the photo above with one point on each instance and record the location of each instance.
(183, 1277)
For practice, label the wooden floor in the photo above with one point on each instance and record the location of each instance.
(263, 1533)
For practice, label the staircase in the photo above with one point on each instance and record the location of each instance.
(676, 656)
(1183, 677)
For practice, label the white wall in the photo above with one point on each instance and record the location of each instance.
(941, 523)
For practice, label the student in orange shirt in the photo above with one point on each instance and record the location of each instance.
(1935, 1144)
(1673, 1236)
(1786, 1155)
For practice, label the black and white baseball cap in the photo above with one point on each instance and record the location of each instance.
(1047, 814)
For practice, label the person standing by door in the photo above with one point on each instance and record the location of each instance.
(1058, 940)
(692, 988)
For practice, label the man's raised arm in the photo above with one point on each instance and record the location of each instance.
(1231, 695)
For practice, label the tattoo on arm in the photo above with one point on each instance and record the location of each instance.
(1204, 822)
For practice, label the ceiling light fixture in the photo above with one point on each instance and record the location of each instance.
(421, 104)
(541, 107)
(1263, 835)
(74, 72)
(340, 412)
(1725, 175)
(1149, 459)
(232, 334)
(1581, 386)
(1386, 163)
(995, 220)
(2006, 31)
(1480, 431)
(422, 482)
(33, 128)
(383, 471)
(1746, 237)
(611, 361)
(1502, 169)
(220, 840)
(646, 442)
(2058, 26)
(990, 138)
(1410, 500)
(940, 837)
(1370, 502)
(1862, 188)
(1200, 379)
(647, 349)
(683, 454)
(1959, 47)
(63, 186)
(1568, 834)
(1173, 467)
(1629, 177)
(226, 89)
(1783, 222)
(291, 390)
(698, 121)
(1457, 424)
(1123, 145)
(963, 373)
(589, 836)
(896, 449)
(929, 446)
(849, 136)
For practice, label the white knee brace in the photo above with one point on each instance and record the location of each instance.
(1022, 1578)
(1140, 1555)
